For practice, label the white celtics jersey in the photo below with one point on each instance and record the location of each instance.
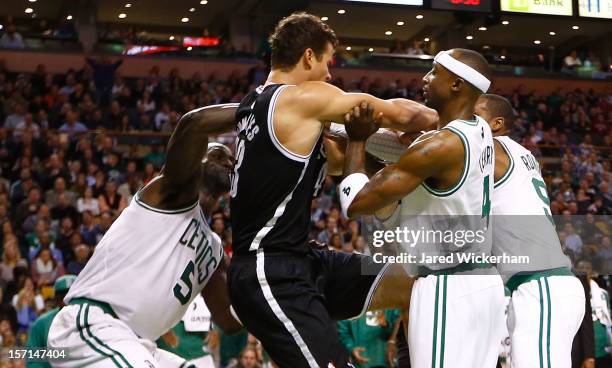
(520, 212)
(463, 207)
(150, 265)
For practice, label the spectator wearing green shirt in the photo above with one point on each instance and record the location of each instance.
(366, 337)
(40, 328)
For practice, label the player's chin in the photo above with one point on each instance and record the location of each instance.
(222, 181)
(217, 178)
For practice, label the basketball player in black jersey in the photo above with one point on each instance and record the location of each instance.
(285, 293)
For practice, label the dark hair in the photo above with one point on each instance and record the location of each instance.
(500, 106)
(296, 33)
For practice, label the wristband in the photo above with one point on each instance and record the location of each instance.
(348, 189)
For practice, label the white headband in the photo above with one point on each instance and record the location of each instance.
(464, 71)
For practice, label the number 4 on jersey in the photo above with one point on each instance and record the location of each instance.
(486, 200)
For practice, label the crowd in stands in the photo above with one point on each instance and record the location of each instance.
(62, 185)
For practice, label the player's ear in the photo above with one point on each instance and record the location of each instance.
(308, 58)
(498, 124)
(457, 84)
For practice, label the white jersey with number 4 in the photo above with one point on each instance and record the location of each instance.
(465, 205)
(150, 265)
(460, 303)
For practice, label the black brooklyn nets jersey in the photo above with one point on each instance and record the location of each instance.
(272, 188)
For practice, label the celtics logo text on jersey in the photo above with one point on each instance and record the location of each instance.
(204, 264)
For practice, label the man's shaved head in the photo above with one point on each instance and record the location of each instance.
(474, 60)
(497, 111)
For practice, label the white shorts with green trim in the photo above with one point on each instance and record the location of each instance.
(456, 321)
(95, 339)
(543, 318)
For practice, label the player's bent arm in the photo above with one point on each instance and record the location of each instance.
(334, 149)
(218, 302)
(425, 159)
(188, 142)
(325, 102)
(187, 146)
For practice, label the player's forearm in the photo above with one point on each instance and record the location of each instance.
(189, 141)
(355, 158)
(361, 200)
(227, 323)
(211, 120)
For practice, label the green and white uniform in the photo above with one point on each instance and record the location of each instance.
(145, 272)
(547, 304)
(457, 308)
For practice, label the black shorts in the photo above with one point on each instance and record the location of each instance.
(291, 303)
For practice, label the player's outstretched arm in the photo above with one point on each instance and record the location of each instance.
(435, 153)
(180, 176)
(325, 102)
(218, 301)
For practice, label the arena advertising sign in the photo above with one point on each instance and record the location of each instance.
(553, 7)
(462, 5)
(595, 8)
(394, 2)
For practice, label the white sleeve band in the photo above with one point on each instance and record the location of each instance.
(463, 70)
(348, 189)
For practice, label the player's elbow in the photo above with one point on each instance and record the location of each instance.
(414, 117)
(426, 118)
(189, 121)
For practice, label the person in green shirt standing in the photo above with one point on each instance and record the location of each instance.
(366, 337)
(39, 331)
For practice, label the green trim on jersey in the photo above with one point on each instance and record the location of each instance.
(521, 278)
(469, 122)
(510, 168)
(102, 305)
(466, 167)
(159, 210)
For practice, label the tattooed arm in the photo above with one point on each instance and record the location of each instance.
(437, 157)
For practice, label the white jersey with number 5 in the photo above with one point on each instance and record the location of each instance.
(522, 221)
(150, 265)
